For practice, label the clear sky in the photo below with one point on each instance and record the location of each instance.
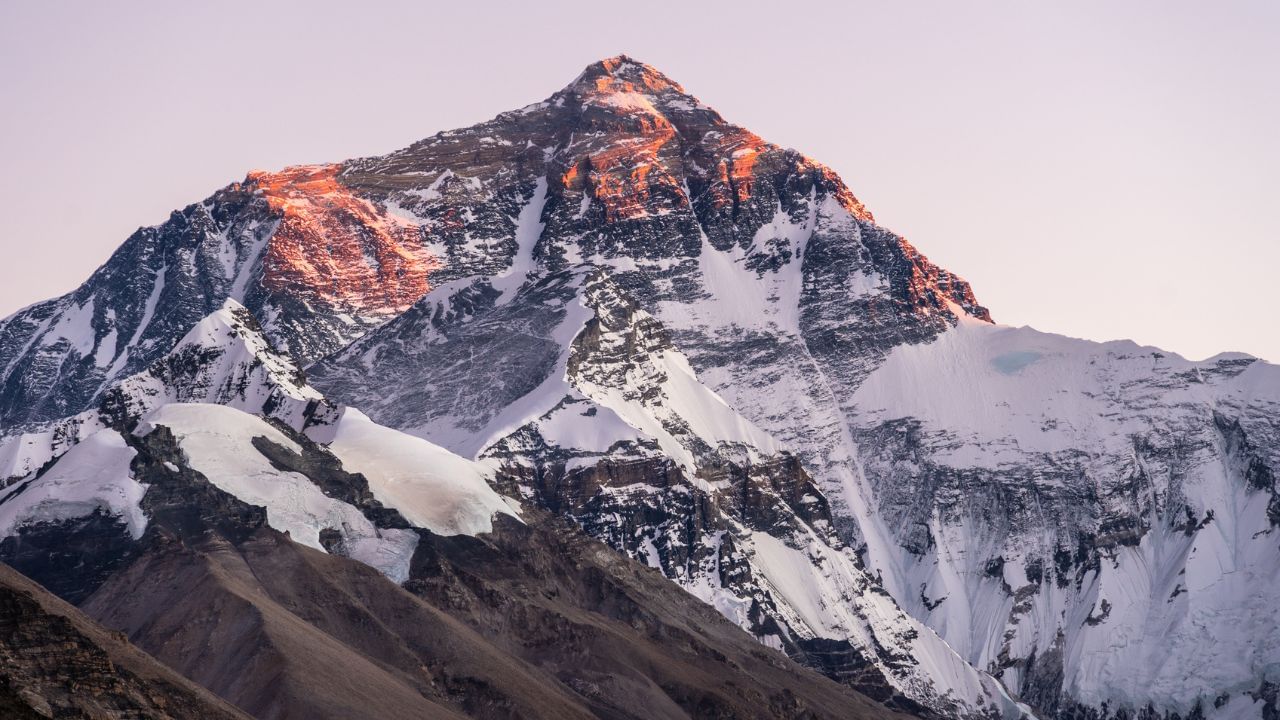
(1096, 168)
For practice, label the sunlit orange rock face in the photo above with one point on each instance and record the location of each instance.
(926, 281)
(629, 177)
(746, 159)
(733, 177)
(641, 168)
(339, 249)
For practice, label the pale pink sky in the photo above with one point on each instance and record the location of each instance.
(1100, 169)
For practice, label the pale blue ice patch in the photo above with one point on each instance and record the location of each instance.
(1011, 363)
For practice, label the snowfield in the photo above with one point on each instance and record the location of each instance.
(1181, 607)
(430, 486)
(218, 443)
(93, 476)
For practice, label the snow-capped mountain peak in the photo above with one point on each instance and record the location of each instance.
(700, 348)
(622, 74)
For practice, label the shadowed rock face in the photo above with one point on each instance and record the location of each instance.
(56, 662)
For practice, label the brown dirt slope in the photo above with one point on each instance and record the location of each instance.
(533, 621)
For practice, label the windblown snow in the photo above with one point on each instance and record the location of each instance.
(430, 486)
(218, 443)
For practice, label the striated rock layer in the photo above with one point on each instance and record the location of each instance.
(337, 249)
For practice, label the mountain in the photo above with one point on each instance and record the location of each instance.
(615, 316)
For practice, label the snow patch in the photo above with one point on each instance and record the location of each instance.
(76, 327)
(430, 486)
(148, 312)
(529, 226)
(92, 475)
(218, 443)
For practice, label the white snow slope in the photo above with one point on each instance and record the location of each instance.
(1180, 610)
(430, 486)
(218, 443)
(93, 476)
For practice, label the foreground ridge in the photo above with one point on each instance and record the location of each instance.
(59, 663)
(332, 549)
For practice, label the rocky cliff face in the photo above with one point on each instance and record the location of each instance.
(622, 311)
(316, 264)
(613, 429)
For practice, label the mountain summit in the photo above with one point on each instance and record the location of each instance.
(615, 316)
(621, 73)
(321, 254)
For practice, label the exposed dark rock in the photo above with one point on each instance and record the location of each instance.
(534, 620)
(71, 557)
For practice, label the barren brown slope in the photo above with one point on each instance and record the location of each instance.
(284, 631)
(631, 642)
(56, 662)
(517, 624)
